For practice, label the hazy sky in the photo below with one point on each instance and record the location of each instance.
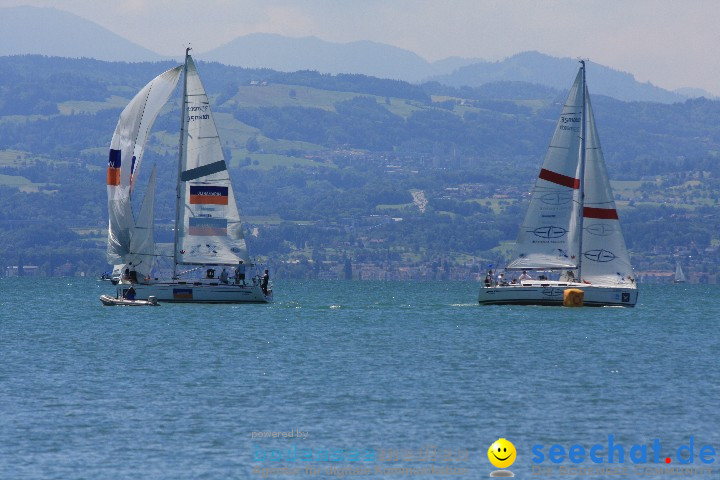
(670, 43)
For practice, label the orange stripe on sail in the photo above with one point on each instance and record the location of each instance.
(208, 200)
(113, 176)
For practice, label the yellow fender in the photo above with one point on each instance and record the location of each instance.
(573, 297)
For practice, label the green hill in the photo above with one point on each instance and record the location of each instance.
(328, 167)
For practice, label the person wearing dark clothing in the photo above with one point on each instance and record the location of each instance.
(130, 294)
(265, 280)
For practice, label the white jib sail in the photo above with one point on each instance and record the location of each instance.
(142, 241)
(209, 229)
(126, 151)
(548, 237)
(605, 258)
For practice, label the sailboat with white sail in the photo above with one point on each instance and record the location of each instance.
(571, 236)
(208, 236)
(679, 274)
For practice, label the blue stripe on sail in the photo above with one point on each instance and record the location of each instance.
(208, 190)
(114, 159)
(132, 165)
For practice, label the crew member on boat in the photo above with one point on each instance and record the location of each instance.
(240, 273)
(265, 280)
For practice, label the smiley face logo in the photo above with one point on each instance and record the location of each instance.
(501, 453)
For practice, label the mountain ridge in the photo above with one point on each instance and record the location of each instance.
(536, 67)
(64, 35)
(268, 50)
(71, 36)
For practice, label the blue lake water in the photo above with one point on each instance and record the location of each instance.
(399, 369)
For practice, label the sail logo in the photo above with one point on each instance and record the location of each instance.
(569, 123)
(207, 227)
(197, 112)
(565, 119)
(549, 232)
(615, 459)
(207, 249)
(600, 229)
(556, 198)
(208, 195)
(600, 255)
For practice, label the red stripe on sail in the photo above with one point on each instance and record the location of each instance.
(559, 178)
(601, 213)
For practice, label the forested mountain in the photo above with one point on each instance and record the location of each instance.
(337, 170)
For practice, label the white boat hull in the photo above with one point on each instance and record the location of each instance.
(109, 301)
(552, 292)
(198, 292)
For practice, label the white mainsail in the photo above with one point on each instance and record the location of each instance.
(142, 241)
(208, 228)
(548, 237)
(126, 152)
(605, 258)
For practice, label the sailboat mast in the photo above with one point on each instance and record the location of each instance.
(581, 170)
(181, 145)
